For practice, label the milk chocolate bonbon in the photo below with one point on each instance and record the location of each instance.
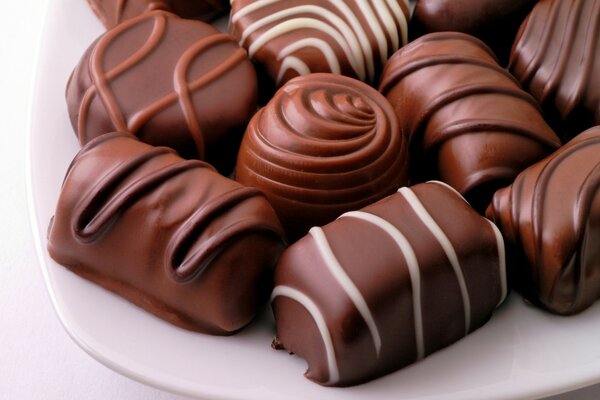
(385, 286)
(325, 144)
(550, 218)
(170, 235)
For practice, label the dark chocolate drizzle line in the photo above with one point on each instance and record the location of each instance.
(540, 190)
(184, 266)
(182, 89)
(96, 214)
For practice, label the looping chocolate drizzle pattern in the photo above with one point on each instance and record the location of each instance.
(116, 191)
(527, 213)
(182, 88)
(435, 56)
(555, 57)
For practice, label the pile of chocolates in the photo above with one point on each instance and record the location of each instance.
(340, 159)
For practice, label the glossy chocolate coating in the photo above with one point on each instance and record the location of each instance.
(170, 235)
(470, 123)
(170, 81)
(550, 219)
(556, 57)
(325, 144)
(383, 287)
(113, 12)
(295, 37)
(496, 22)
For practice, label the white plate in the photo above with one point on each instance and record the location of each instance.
(520, 353)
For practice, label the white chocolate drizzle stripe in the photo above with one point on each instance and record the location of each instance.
(313, 310)
(356, 59)
(444, 184)
(375, 26)
(388, 21)
(501, 261)
(443, 240)
(346, 283)
(400, 18)
(412, 264)
(292, 63)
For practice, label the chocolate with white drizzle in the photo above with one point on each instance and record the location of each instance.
(470, 123)
(114, 12)
(324, 145)
(550, 219)
(556, 57)
(295, 37)
(385, 286)
(171, 82)
(170, 235)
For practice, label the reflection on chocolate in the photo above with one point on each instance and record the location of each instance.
(325, 144)
(170, 81)
(470, 123)
(557, 59)
(170, 235)
(383, 287)
(496, 22)
(550, 218)
(295, 37)
(113, 12)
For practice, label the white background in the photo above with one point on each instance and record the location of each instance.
(38, 360)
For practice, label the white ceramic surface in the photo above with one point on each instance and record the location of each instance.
(520, 353)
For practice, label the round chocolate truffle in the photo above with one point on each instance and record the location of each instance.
(170, 235)
(550, 219)
(469, 122)
(556, 57)
(387, 285)
(296, 37)
(113, 12)
(325, 144)
(171, 82)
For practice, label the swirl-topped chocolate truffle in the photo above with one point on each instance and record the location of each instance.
(556, 57)
(296, 37)
(113, 12)
(550, 218)
(170, 235)
(385, 286)
(470, 123)
(171, 82)
(325, 144)
(496, 22)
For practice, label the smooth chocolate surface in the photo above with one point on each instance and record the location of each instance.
(496, 22)
(470, 123)
(171, 82)
(325, 144)
(556, 57)
(385, 286)
(170, 235)
(295, 37)
(550, 219)
(114, 12)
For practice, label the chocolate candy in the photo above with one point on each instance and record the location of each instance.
(170, 81)
(113, 12)
(325, 144)
(470, 123)
(556, 57)
(170, 235)
(496, 22)
(296, 37)
(550, 218)
(388, 285)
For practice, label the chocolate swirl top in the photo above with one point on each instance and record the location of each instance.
(549, 216)
(114, 12)
(470, 123)
(170, 81)
(296, 37)
(167, 234)
(556, 56)
(325, 144)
